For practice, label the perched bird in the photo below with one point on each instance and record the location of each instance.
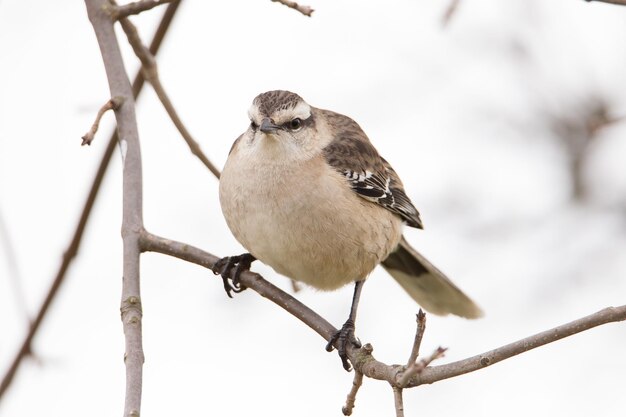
(305, 192)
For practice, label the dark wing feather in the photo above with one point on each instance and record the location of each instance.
(369, 175)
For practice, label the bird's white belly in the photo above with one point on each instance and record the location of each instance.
(291, 218)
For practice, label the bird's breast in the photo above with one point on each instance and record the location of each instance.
(304, 221)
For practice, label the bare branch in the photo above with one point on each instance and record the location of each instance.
(150, 71)
(438, 373)
(619, 2)
(132, 217)
(399, 404)
(72, 249)
(577, 126)
(136, 7)
(351, 398)
(415, 367)
(153, 243)
(112, 104)
(450, 12)
(305, 10)
(68, 256)
(419, 333)
(13, 269)
(362, 359)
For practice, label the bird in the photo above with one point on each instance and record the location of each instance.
(304, 191)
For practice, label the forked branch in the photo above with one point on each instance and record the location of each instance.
(136, 7)
(362, 359)
(151, 73)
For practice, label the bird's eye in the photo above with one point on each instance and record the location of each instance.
(295, 124)
(253, 125)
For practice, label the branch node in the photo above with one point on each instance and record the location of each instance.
(416, 368)
(119, 12)
(132, 303)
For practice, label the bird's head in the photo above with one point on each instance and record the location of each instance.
(282, 120)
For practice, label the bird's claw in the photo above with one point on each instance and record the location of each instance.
(342, 337)
(225, 266)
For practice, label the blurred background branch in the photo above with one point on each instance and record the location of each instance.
(578, 125)
(305, 10)
(618, 2)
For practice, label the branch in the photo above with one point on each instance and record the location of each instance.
(438, 373)
(351, 398)
(619, 2)
(415, 368)
(453, 6)
(419, 333)
(72, 249)
(153, 243)
(399, 403)
(13, 269)
(88, 137)
(362, 359)
(136, 7)
(149, 66)
(132, 218)
(305, 10)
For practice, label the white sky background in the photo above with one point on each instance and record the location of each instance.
(461, 114)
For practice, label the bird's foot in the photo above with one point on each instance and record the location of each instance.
(225, 266)
(342, 337)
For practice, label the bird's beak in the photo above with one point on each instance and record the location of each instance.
(267, 126)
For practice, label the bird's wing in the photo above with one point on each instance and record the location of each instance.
(428, 285)
(370, 176)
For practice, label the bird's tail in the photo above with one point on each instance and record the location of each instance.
(427, 285)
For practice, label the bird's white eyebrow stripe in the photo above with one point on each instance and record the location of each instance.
(254, 114)
(300, 111)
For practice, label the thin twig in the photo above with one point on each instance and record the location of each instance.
(351, 398)
(111, 104)
(135, 7)
(305, 10)
(417, 367)
(151, 73)
(68, 256)
(13, 269)
(362, 359)
(419, 333)
(440, 372)
(399, 404)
